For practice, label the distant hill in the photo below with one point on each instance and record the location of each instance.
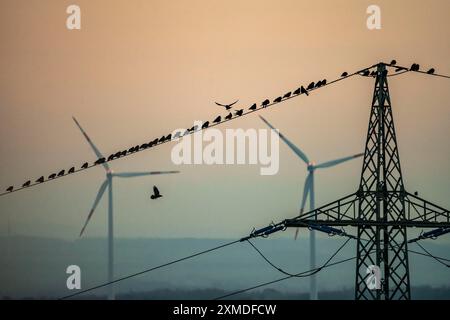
(35, 268)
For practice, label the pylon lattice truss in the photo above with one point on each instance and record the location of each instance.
(381, 210)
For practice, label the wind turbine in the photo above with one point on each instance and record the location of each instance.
(308, 189)
(108, 184)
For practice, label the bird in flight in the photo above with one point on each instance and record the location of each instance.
(155, 194)
(227, 106)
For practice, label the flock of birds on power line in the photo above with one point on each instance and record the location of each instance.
(237, 113)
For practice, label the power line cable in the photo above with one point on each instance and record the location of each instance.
(150, 269)
(306, 273)
(139, 149)
(287, 273)
(432, 256)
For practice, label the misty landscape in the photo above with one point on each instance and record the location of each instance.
(35, 268)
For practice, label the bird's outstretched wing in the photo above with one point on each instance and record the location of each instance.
(233, 103)
(226, 105)
(155, 191)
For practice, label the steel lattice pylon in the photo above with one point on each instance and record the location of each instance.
(380, 199)
(381, 209)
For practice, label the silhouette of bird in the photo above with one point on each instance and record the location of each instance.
(344, 74)
(40, 180)
(431, 71)
(265, 103)
(277, 100)
(318, 84)
(194, 128)
(239, 112)
(52, 176)
(151, 144)
(85, 165)
(287, 95)
(253, 107)
(155, 194)
(26, 184)
(218, 119)
(229, 116)
(227, 106)
(10, 188)
(297, 91)
(100, 161)
(414, 67)
(393, 63)
(111, 157)
(162, 139)
(365, 73)
(71, 170)
(61, 173)
(205, 125)
(416, 193)
(303, 90)
(144, 146)
(324, 82)
(310, 86)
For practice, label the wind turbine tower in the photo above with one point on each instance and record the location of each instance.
(308, 190)
(108, 183)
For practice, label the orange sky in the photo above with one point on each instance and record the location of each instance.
(138, 69)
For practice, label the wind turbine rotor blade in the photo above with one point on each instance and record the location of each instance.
(337, 161)
(100, 193)
(96, 151)
(293, 147)
(306, 189)
(140, 174)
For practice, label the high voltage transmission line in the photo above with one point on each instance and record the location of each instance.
(253, 108)
(264, 232)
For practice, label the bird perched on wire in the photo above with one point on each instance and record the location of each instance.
(393, 63)
(229, 116)
(40, 180)
(303, 90)
(85, 165)
(227, 106)
(265, 103)
(26, 184)
(287, 95)
(277, 100)
(253, 107)
(310, 86)
(344, 74)
(52, 176)
(414, 67)
(10, 188)
(431, 71)
(155, 194)
(239, 112)
(218, 119)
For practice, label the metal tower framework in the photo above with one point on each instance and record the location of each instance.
(381, 209)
